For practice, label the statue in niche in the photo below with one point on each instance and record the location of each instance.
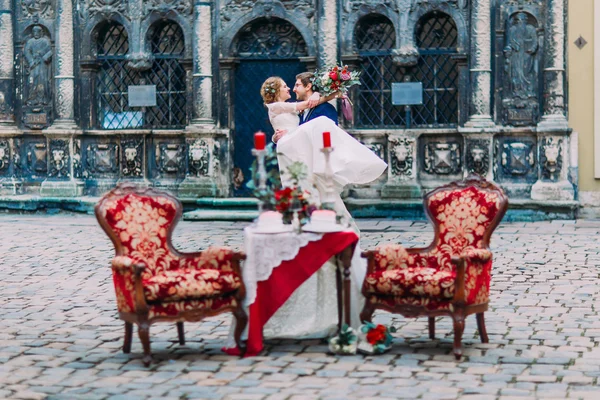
(38, 53)
(520, 54)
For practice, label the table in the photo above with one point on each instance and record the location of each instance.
(272, 291)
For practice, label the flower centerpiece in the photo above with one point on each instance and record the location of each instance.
(375, 339)
(337, 78)
(345, 342)
(293, 198)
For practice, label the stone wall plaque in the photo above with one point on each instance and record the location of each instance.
(142, 95)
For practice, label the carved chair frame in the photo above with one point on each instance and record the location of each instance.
(141, 307)
(459, 310)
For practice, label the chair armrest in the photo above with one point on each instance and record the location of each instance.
(470, 257)
(219, 258)
(123, 265)
(388, 257)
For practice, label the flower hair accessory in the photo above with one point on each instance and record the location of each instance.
(270, 87)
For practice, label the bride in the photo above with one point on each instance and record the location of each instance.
(312, 310)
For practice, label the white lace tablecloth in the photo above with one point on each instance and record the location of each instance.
(265, 251)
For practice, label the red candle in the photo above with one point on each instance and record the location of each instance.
(326, 139)
(260, 139)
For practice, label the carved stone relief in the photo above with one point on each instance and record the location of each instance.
(106, 8)
(17, 157)
(170, 158)
(77, 164)
(164, 7)
(37, 163)
(37, 79)
(516, 158)
(37, 8)
(401, 157)
(199, 158)
(4, 155)
(59, 159)
(101, 158)
(132, 157)
(442, 158)
(234, 8)
(521, 48)
(478, 156)
(551, 158)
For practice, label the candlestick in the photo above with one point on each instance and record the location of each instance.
(260, 140)
(262, 176)
(326, 139)
(328, 200)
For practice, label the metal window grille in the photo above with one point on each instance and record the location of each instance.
(169, 77)
(113, 80)
(167, 44)
(436, 36)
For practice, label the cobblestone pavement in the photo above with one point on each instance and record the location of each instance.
(60, 338)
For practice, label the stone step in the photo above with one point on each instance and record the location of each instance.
(224, 214)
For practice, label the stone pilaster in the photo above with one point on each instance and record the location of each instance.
(65, 76)
(327, 33)
(553, 116)
(7, 56)
(202, 69)
(481, 65)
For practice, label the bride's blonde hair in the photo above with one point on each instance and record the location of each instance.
(270, 89)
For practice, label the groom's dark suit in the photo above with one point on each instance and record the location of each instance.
(322, 110)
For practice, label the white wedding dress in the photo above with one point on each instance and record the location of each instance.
(311, 312)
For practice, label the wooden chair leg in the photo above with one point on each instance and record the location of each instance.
(241, 320)
(366, 315)
(181, 333)
(128, 337)
(144, 334)
(459, 328)
(481, 328)
(431, 328)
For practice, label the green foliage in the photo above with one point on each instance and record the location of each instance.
(273, 179)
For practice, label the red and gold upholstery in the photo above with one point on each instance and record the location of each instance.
(455, 270)
(154, 281)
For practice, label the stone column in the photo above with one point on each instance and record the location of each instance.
(64, 79)
(202, 70)
(553, 115)
(481, 65)
(7, 57)
(327, 33)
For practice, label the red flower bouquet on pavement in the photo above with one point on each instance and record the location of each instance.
(334, 79)
(375, 339)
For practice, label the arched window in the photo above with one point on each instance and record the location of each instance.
(374, 39)
(167, 42)
(436, 37)
(113, 80)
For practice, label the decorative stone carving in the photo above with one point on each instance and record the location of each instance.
(164, 7)
(551, 158)
(521, 68)
(478, 157)
(199, 158)
(106, 8)
(401, 157)
(38, 53)
(101, 158)
(59, 158)
(170, 158)
(4, 155)
(131, 156)
(140, 61)
(233, 7)
(442, 158)
(37, 162)
(518, 158)
(17, 157)
(406, 54)
(77, 164)
(37, 8)
(376, 148)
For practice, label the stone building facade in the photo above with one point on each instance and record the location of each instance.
(492, 71)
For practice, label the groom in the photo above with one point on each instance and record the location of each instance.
(304, 89)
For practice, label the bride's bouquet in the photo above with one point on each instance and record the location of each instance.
(337, 79)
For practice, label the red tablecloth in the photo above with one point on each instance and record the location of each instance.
(285, 279)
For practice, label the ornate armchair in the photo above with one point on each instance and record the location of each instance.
(153, 281)
(451, 276)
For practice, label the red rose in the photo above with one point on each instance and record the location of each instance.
(374, 336)
(333, 75)
(285, 193)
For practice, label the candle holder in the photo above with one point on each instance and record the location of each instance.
(262, 177)
(328, 200)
